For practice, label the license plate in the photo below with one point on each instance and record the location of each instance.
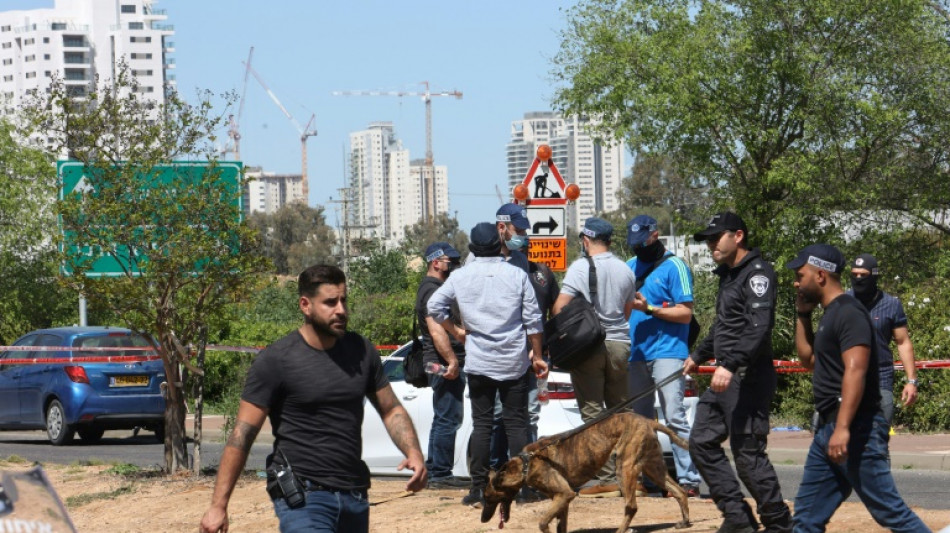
(128, 381)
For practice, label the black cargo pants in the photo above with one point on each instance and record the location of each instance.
(741, 414)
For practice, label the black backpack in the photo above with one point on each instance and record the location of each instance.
(576, 332)
(694, 327)
(412, 364)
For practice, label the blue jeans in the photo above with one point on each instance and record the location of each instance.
(826, 484)
(448, 407)
(642, 375)
(887, 405)
(326, 512)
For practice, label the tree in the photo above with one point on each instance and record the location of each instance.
(31, 297)
(442, 228)
(295, 237)
(658, 188)
(183, 250)
(788, 110)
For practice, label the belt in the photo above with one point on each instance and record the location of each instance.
(826, 418)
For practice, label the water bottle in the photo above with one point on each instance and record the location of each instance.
(435, 369)
(543, 394)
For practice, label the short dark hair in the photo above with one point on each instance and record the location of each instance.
(309, 281)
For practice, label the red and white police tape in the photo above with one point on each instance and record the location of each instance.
(781, 366)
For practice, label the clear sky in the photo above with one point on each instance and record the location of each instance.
(496, 52)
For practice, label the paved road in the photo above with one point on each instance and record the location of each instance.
(922, 488)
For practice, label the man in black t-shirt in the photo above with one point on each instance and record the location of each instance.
(448, 390)
(312, 383)
(849, 449)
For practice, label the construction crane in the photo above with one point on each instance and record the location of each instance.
(429, 169)
(305, 132)
(234, 123)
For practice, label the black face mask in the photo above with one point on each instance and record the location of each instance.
(865, 289)
(650, 253)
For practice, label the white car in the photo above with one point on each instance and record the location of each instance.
(559, 414)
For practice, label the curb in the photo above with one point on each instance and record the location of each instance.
(899, 460)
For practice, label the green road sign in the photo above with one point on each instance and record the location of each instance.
(124, 258)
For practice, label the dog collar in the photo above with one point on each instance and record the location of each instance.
(525, 462)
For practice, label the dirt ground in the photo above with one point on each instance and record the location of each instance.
(99, 499)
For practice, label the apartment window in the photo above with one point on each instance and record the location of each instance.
(4, 28)
(48, 74)
(8, 78)
(142, 56)
(128, 9)
(58, 26)
(141, 73)
(46, 57)
(7, 45)
(145, 89)
(29, 58)
(76, 90)
(45, 40)
(28, 42)
(8, 61)
(30, 75)
(73, 41)
(140, 39)
(136, 25)
(74, 57)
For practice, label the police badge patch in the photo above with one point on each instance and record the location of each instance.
(759, 284)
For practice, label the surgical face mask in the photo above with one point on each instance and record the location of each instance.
(517, 242)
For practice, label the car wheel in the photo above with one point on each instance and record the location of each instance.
(58, 431)
(91, 434)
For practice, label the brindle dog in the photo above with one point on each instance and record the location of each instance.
(553, 465)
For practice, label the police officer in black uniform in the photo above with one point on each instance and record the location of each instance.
(737, 403)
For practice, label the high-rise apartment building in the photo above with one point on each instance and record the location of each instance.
(78, 40)
(595, 168)
(267, 191)
(386, 190)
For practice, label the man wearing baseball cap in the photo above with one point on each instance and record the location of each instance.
(600, 381)
(890, 322)
(739, 397)
(659, 334)
(448, 389)
(500, 309)
(512, 223)
(849, 448)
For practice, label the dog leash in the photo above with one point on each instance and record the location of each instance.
(606, 414)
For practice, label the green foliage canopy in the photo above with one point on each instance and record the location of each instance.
(787, 109)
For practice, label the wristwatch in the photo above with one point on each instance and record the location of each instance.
(912, 382)
(650, 310)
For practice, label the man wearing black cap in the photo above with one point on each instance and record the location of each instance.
(849, 449)
(600, 381)
(659, 334)
(498, 307)
(447, 389)
(890, 322)
(736, 405)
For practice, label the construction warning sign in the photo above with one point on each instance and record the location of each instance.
(552, 252)
(545, 185)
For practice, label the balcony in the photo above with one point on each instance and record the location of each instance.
(168, 47)
(155, 13)
(169, 62)
(163, 27)
(76, 59)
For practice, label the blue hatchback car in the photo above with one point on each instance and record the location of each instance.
(85, 396)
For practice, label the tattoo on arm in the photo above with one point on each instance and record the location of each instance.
(243, 435)
(396, 419)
